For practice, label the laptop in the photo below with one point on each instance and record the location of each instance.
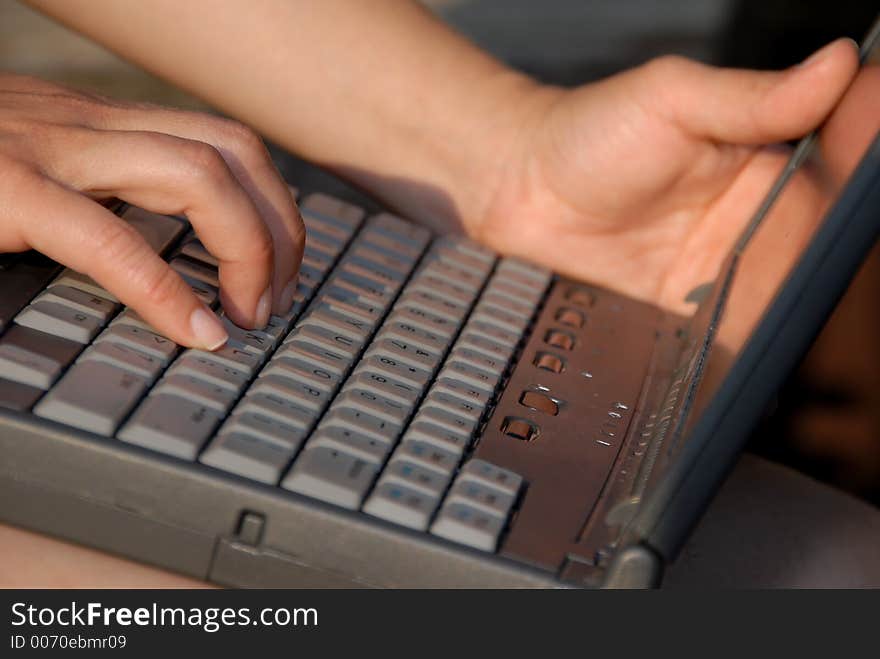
(428, 414)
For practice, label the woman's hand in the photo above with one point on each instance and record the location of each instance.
(61, 150)
(641, 182)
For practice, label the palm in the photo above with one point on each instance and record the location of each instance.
(617, 190)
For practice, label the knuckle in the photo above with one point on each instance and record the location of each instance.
(205, 164)
(242, 138)
(20, 180)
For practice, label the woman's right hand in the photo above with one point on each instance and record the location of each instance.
(62, 150)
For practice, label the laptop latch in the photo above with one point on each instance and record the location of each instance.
(634, 566)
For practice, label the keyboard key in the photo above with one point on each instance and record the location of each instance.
(469, 247)
(332, 476)
(402, 505)
(74, 298)
(194, 249)
(321, 337)
(376, 271)
(35, 358)
(489, 348)
(476, 495)
(375, 404)
(440, 298)
(141, 339)
(500, 318)
(410, 313)
(267, 427)
(349, 306)
(426, 455)
(448, 420)
(478, 360)
(361, 422)
(492, 331)
(444, 438)
(461, 261)
(447, 271)
(132, 317)
(430, 286)
(401, 230)
(388, 259)
(459, 407)
(16, 396)
(397, 369)
(491, 475)
(250, 340)
(354, 327)
(171, 425)
(365, 447)
(406, 352)
(380, 240)
(160, 231)
(309, 373)
(541, 275)
(83, 283)
(232, 357)
(469, 526)
(416, 477)
(364, 285)
(418, 336)
(248, 455)
(388, 386)
(126, 358)
(318, 258)
(193, 364)
(490, 302)
(60, 320)
(278, 407)
(93, 396)
(333, 361)
(471, 375)
(475, 396)
(332, 209)
(304, 394)
(198, 391)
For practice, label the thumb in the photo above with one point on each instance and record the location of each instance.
(756, 107)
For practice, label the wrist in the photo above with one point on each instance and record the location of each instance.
(447, 152)
(496, 151)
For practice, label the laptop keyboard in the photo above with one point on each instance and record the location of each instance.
(367, 395)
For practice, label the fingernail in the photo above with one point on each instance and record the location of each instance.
(287, 294)
(820, 54)
(264, 308)
(207, 329)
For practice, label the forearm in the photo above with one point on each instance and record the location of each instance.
(379, 91)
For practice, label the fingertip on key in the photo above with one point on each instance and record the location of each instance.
(264, 308)
(207, 329)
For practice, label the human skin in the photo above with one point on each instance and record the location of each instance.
(614, 182)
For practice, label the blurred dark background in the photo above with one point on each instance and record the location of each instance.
(827, 419)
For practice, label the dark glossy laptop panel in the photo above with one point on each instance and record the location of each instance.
(783, 279)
